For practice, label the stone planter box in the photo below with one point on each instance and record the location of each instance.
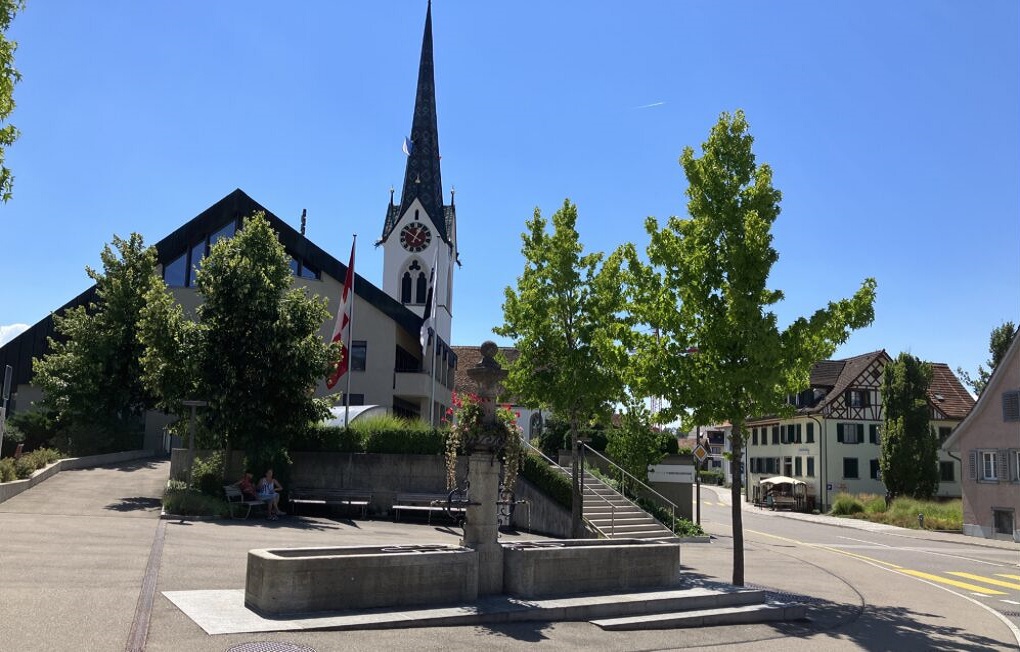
(552, 568)
(304, 580)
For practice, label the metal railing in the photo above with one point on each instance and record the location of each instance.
(625, 474)
(612, 506)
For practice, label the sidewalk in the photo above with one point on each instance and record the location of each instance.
(723, 496)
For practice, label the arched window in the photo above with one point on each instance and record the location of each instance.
(405, 288)
(421, 288)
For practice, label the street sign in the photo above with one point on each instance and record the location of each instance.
(678, 473)
(700, 453)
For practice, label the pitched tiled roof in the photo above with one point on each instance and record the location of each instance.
(470, 356)
(955, 402)
(826, 372)
(851, 371)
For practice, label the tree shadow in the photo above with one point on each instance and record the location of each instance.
(135, 504)
(525, 632)
(295, 523)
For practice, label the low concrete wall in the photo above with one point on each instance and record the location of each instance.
(537, 570)
(541, 514)
(11, 489)
(303, 580)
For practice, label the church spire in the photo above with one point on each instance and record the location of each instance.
(422, 179)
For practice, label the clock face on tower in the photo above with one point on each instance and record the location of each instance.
(415, 236)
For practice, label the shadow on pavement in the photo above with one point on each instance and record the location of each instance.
(136, 503)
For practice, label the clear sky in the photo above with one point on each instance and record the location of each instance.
(893, 129)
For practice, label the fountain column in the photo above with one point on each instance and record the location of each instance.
(481, 528)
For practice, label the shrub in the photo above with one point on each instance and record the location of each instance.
(7, 472)
(181, 501)
(873, 504)
(710, 476)
(319, 438)
(390, 434)
(28, 463)
(846, 505)
(35, 425)
(207, 474)
(552, 482)
(678, 524)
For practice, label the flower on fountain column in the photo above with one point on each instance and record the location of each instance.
(468, 432)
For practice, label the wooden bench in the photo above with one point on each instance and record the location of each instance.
(236, 499)
(424, 502)
(344, 497)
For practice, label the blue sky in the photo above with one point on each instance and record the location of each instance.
(893, 130)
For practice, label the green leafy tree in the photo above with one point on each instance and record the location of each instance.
(9, 76)
(910, 447)
(564, 317)
(255, 353)
(91, 377)
(705, 286)
(998, 343)
(635, 443)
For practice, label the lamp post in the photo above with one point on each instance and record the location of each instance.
(194, 405)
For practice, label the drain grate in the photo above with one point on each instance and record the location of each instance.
(269, 646)
(782, 596)
(1011, 614)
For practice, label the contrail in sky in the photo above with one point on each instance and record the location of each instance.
(649, 106)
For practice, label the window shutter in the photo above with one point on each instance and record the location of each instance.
(1002, 459)
(1011, 406)
(860, 433)
(798, 434)
(839, 433)
(810, 432)
(973, 465)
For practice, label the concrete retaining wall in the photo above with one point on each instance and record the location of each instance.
(587, 566)
(11, 489)
(541, 514)
(302, 580)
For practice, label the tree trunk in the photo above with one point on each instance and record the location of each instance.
(576, 488)
(737, 447)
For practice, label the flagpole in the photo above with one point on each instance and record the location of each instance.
(432, 385)
(347, 353)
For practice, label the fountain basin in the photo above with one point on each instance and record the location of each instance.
(303, 580)
(572, 566)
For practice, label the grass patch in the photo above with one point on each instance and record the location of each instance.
(938, 514)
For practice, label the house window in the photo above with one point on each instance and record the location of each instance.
(1016, 466)
(850, 468)
(359, 355)
(810, 433)
(197, 253)
(1003, 519)
(857, 398)
(811, 467)
(874, 435)
(788, 466)
(944, 432)
(850, 433)
(875, 471)
(175, 272)
(947, 472)
(798, 467)
(797, 436)
(1011, 406)
(775, 435)
(988, 466)
(754, 436)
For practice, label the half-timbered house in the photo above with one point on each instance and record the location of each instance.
(833, 441)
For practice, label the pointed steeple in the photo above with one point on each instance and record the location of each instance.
(422, 179)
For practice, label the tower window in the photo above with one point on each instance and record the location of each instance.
(405, 288)
(421, 289)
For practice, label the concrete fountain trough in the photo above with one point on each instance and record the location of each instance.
(556, 568)
(304, 580)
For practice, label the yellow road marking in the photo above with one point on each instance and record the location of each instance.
(960, 585)
(987, 580)
(1012, 577)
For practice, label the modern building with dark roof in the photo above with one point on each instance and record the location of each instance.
(833, 441)
(388, 366)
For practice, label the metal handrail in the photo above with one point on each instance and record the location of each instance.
(612, 507)
(672, 506)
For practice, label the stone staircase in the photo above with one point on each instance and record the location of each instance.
(615, 517)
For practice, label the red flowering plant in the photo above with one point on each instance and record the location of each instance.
(469, 432)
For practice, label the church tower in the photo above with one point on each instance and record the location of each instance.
(420, 232)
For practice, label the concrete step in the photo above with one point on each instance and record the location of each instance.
(739, 615)
(659, 533)
(635, 520)
(625, 530)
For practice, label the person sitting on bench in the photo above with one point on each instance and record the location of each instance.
(269, 490)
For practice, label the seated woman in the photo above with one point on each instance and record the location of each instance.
(269, 490)
(247, 487)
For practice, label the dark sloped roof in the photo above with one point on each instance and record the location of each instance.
(826, 373)
(470, 356)
(852, 370)
(33, 343)
(956, 402)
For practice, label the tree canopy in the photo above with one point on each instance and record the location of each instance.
(564, 317)
(998, 343)
(91, 378)
(705, 288)
(9, 76)
(910, 448)
(255, 353)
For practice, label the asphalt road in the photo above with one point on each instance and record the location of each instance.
(937, 592)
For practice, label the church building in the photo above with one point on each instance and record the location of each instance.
(388, 366)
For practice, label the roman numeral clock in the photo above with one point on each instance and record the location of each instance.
(415, 237)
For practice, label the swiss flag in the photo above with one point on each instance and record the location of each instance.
(342, 330)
